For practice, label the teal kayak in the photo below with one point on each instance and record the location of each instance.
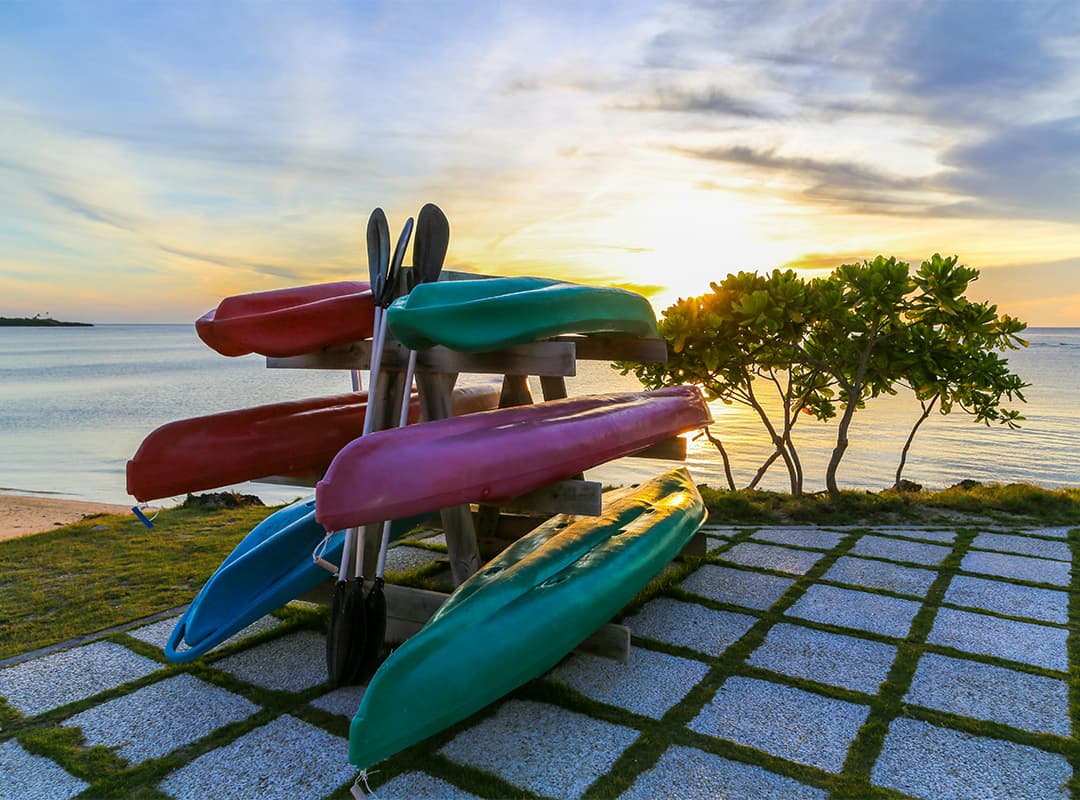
(523, 612)
(482, 315)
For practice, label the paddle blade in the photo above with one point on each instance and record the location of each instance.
(345, 640)
(389, 289)
(432, 241)
(375, 638)
(378, 251)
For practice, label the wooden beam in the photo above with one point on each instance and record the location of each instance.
(617, 348)
(673, 449)
(565, 497)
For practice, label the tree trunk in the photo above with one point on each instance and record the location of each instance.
(853, 395)
(763, 469)
(911, 437)
(723, 455)
(777, 439)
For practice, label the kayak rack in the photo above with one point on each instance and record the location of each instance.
(473, 535)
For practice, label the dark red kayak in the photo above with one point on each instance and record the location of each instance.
(298, 438)
(289, 322)
(495, 455)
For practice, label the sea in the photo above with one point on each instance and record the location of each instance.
(75, 403)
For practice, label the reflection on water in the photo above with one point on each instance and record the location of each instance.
(76, 402)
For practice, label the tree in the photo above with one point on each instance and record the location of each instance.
(954, 345)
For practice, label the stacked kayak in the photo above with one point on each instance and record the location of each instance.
(289, 322)
(524, 611)
(496, 455)
(484, 315)
(298, 438)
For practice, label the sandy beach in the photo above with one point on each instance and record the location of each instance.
(23, 515)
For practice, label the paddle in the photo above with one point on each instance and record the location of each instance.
(345, 638)
(429, 253)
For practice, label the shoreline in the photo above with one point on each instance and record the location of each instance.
(26, 515)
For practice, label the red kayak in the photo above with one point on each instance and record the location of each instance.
(289, 322)
(298, 438)
(495, 455)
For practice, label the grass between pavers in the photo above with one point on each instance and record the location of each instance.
(110, 776)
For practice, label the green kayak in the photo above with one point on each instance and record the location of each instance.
(482, 315)
(523, 612)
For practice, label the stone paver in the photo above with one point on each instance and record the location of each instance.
(737, 586)
(25, 776)
(289, 664)
(901, 550)
(157, 633)
(1023, 568)
(984, 691)
(414, 785)
(720, 531)
(780, 559)
(913, 581)
(1023, 545)
(849, 608)
(55, 680)
(343, 701)
(844, 661)
(944, 537)
(405, 559)
(686, 772)
(800, 537)
(1047, 605)
(1025, 642)
(161, 717)
(649, 684)
(796, 725)
(548, 750)
(930, 762)
(689, 625)
(286, 759)
(1055, 533)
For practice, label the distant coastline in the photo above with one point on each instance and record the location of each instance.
(40, 322)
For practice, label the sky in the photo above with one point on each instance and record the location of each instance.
(158, 156)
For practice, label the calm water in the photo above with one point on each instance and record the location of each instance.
(75, 403)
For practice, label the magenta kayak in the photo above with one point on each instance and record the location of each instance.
(495, 455)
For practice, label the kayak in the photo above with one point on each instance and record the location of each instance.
(495, 455)
(298, 438)
(483, 315)
(271, 566)
(289, 322)
(522, 613)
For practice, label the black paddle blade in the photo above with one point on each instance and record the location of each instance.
(389, 289)
(375, 633)
(378, 251)
(345, 641)
(432, 241)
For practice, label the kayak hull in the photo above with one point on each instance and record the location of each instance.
(496, 455)
(298, 438)
(484, 315)
(289, 322)
(522, 613)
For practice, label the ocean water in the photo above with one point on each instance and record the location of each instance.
(76, 402)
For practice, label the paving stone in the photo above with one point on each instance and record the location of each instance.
(1024, 545)
(158, 633)
(1048, 605)
(25, 776)
(687, 772)
(548, 750)
(289, 664)
(1025, 642)
(690, 625)
(413, 785)
(1054, 533)
(845, 661)
(984, 691)
(799, 726)
(781, 559)
(286, 759)
(930, 762)
(161, 717)
(427, 536)
(343, 701)
(881, 575)
(720, 531)
(649, 684)
(901, 550)
(848, 608)
(800, 537)
(944, 537)
(1023, 568)
(737, 586)
(55, 680)
(406, 559)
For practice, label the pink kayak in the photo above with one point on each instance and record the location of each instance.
(297, 438)
(289, 322)
(495, 455)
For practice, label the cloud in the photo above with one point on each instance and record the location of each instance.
(714, 101)
(262, 268)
